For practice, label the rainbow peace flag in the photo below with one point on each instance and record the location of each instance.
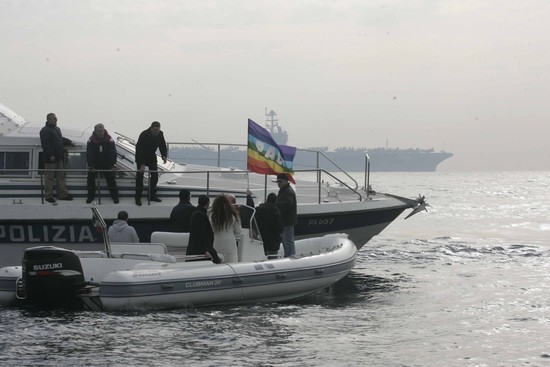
(265, 156)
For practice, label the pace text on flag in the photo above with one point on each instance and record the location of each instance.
(265, 156)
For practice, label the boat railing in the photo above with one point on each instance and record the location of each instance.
(320, 154)
(219, 146)
(102, 189)
(254, 231)
(319, 173)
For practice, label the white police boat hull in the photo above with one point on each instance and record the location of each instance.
(326, 203)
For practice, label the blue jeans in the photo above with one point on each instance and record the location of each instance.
(288, 241)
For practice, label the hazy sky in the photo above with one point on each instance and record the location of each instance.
(470, 77)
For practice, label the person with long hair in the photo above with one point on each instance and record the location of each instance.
(227, 228)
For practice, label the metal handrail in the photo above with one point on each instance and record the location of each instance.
(103, 226)
(205, 146)
(317, 152)
(320, 153)
(185, 172)
(252, 221)
(334, 177)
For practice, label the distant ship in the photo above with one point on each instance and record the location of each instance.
(346, 158)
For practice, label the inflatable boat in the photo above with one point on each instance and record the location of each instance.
(158, 275)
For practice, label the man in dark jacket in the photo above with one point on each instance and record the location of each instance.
(53, 144)
(146, 147)
(286, 202)
(201, 236)
(181, 214)
(270, 224)
(101, 155)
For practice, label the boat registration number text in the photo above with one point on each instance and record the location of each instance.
(203, 283)
(320, 222)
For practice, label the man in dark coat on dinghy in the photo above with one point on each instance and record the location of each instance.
(201, 236)
(180, 217)
(286, 202)
(270, 224)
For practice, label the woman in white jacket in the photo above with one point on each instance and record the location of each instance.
(120, 231)
(227, 228)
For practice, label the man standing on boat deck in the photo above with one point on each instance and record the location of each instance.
(181, 214)
(286, 202)
(101, 155)
(148, 142)
(53, 144)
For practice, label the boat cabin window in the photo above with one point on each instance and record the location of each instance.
(14, 163)
(75, 161)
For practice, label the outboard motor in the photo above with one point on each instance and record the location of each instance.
(52, 277)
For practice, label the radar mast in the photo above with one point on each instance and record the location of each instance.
(272, 125)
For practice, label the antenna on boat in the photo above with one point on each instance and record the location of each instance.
(202, 145)
(271, 121)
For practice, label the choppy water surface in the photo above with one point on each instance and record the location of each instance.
(466, 284)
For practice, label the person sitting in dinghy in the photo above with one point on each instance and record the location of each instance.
(201, 236)
(120, 231)
(181, 213)
(227, 228)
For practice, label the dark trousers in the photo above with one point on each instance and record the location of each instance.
(152, 182)
(111, 183)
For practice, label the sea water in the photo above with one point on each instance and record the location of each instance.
(465, 284)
